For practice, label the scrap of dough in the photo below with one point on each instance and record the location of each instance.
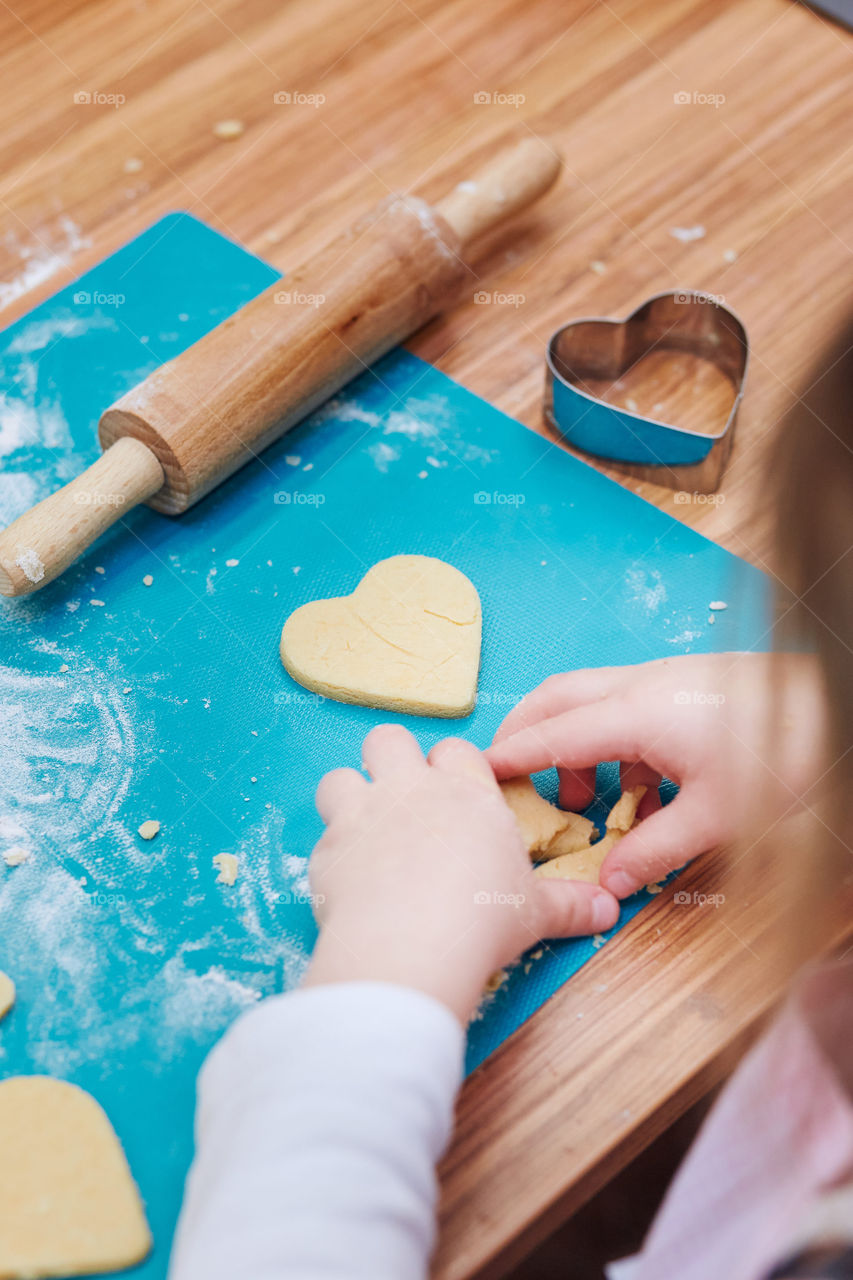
(228, 867)
(16, 855)
(68, 1202)
(585, 864)
(582, 865)
(621, 816)
(149, 828)
(7, 994)
(546, 830)
(407, 639)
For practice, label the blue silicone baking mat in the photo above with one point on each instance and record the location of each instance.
(123, 701)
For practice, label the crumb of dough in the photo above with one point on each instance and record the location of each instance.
(132, 164)
(228, 866)
(99, 568)
(149, 828)
(147, 581)
(686, 234)
(100, 603)
(718, 604)
(497, 979)
(63, 668)
(17, 855)
(229, 129)
(7, 994)
(232, 564)
(598, 940)
(598, 266)
(70, 1205)
(730, 255)
(30, 563)
(654, 888)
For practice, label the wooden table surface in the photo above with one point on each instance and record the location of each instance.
(732, 115)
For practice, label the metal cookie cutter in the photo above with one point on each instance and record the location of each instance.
(680, 332)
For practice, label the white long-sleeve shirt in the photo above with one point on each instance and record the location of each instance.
(321, 1116)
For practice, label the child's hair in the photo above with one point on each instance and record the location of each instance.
(814, 542)
(814, 523)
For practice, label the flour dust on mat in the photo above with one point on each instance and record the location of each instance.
(68, 749)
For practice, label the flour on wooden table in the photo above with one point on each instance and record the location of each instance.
(41, 258)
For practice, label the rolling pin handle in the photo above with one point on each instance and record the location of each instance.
(503, 187)
(42, 542)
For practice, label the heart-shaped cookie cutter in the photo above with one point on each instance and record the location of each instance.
(599, 349)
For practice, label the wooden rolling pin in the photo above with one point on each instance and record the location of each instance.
(198, 418)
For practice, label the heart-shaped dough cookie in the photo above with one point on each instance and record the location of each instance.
(407, 639)
(68, 1203)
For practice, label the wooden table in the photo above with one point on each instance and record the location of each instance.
(732, 115)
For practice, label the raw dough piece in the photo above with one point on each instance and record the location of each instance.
(621, 816)
(16, 856)
(586, 863)
(228, 866)
(546, 830)
(7, 994)
(407, 639)
(68, 1202)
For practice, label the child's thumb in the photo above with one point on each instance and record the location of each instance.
(572, 908)
(659, 844)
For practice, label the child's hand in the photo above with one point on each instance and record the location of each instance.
(707, 723)
(422, 877)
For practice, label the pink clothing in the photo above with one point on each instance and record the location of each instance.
(780, 1136)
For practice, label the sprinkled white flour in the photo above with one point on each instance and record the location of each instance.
(40, 259)
(684, 637)
(407, 424)
(383, 455)
(68, 748)
(343, 410)
(30, 563)
(645, 587)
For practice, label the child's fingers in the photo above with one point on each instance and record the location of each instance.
(339, 791)
(557, 694)
(660, 844)
(577, 788)
(390, 751)
(571, 908)
(574, 740)
(455, 755)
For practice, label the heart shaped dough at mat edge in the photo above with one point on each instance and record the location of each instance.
(68, 1202)
(407, 639)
